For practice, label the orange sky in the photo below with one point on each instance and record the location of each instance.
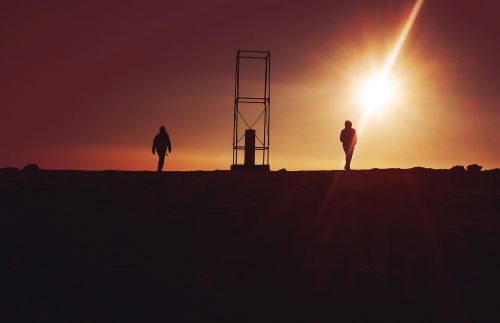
(87, 86)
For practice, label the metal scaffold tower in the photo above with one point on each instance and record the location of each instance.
(253, 141)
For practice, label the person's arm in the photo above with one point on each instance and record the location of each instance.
(355, 139)
(342, 136)
(169, 145)
(154, 146)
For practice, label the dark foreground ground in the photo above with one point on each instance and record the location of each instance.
(368, 246)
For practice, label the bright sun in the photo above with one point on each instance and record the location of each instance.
(376, 93)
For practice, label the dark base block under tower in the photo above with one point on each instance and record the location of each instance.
(251, 168)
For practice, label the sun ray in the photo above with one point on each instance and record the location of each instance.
(383, 77)
(402, 38)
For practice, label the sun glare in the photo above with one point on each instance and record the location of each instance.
(376, 93)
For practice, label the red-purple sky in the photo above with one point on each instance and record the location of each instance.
(86, 84)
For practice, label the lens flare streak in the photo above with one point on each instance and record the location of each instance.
(402, 38)
(391, 60)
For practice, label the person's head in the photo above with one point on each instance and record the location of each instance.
(162, 129)
(348, 124)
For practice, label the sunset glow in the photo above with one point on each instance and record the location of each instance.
(87, 87)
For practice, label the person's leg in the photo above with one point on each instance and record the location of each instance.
(161, 160)
(349, 158)
(346, 151)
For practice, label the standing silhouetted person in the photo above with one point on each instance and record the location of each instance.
(161, 144)
(348, 138)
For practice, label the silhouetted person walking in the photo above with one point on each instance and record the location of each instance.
(348, 138)
(161, 144)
